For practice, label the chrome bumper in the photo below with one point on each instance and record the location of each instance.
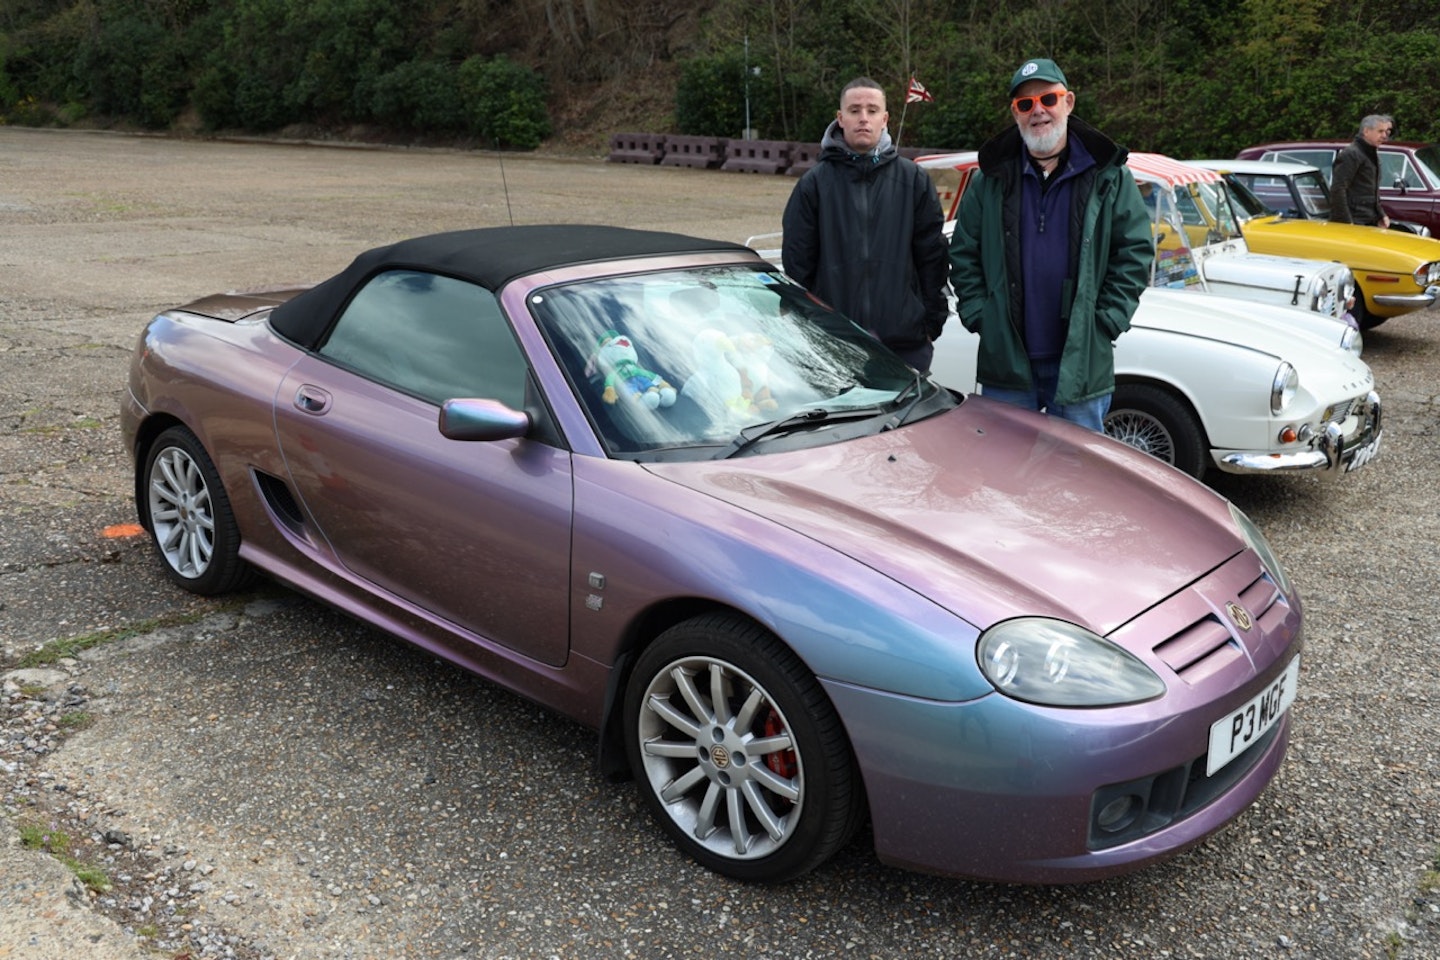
(1332, 454)
(1410, 301)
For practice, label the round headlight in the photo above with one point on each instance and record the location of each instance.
(1352, 340)
(1428, 274)
(1283, 387)
(1059, 664)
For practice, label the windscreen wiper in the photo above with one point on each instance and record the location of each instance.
(803, 420)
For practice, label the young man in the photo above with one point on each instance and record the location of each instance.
(863, 230)
(1051, 249)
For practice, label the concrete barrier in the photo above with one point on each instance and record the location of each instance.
(802, 158)
(758, 156)
(704, 153)
(645, 148)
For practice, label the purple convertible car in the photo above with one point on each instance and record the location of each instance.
(646, 481)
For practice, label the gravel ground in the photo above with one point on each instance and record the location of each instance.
(259, 777)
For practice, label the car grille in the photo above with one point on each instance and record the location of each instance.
(1208, 646)
(1340, 411)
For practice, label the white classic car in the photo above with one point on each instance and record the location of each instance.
(1192, 250)
(1205, 381)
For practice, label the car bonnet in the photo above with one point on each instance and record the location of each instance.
(991, 512)
(1303, 337)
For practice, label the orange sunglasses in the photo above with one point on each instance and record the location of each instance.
(1047, 99)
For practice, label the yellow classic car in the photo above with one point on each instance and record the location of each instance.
(1395, 272)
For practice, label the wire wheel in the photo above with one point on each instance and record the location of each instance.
(1154, 420)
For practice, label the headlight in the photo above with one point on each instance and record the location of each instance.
(1059, 664)
(1283, 387)
(1428, 274)
(1260, 545)
(1352, 340)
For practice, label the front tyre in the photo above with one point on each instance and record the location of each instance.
(189, 516)
(738, 752)
(1156, 422)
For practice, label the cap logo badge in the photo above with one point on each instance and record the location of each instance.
(1028, 69)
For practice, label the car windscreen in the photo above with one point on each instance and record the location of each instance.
(1245, 203)
(1428, 159)
(678, 364)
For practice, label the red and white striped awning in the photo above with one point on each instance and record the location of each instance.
(1159, 168)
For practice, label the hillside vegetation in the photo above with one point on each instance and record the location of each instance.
(1186, 77)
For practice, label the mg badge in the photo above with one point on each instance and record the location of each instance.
(1240, 615)
(720, 756)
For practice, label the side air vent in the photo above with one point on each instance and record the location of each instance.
(283, 506)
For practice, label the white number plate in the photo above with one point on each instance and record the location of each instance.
(1230, 736)
(1364, 455)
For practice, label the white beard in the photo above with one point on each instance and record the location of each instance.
(1043, 145)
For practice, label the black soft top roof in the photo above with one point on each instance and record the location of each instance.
(490, 257)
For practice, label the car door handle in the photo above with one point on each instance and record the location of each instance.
(312, 399)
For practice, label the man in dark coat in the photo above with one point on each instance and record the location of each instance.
(863, 231)
(1355, 178)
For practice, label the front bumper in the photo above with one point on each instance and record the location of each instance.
(1404, 302)
(1331, 453)
(1005, 791)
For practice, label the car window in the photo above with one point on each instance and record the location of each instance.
(682, 360)
(1271, 190)
(1190, 213)
(1396, 170)
(434, 337)
(1427, 159)
(1174, 264)
(1314, 194)
(1234, 199)
(1323, 157)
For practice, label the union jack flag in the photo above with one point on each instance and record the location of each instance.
(916, 93)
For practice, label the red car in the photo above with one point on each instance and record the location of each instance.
(1409, 173)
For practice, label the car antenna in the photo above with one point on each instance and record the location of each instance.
(504, 184)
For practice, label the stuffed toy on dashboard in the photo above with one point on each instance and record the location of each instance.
(616, 358)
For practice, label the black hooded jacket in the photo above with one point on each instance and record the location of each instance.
(864, 233)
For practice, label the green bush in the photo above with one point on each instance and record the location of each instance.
(250, 61)
(503, 102)
(132, 66)
(418, 95)
(710, 97)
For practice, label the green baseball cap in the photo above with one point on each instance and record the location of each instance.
(1037, 70)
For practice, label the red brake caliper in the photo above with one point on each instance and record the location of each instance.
(781, 762)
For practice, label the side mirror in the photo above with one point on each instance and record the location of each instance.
(481, 420)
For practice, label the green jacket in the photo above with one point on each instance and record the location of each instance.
(1110, 255)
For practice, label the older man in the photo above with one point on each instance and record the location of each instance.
(1051, 249)
(1355, 179)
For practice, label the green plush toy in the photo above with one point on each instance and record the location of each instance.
(625, 379)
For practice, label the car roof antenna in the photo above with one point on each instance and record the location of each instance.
(504, 184)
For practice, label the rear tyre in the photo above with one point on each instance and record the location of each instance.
(738, 752)
(189, 516)
(1154, 421)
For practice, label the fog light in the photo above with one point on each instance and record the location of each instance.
(1119, 813)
